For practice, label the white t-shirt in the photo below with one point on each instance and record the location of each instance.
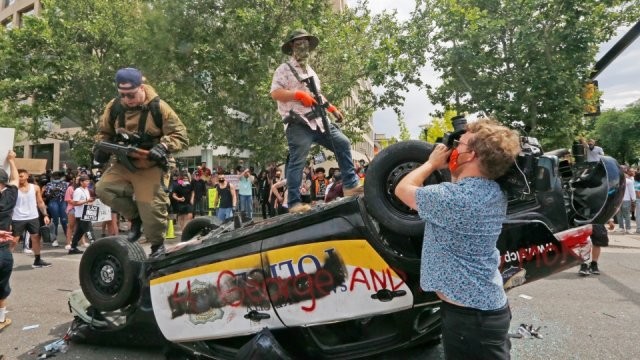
(80, 194)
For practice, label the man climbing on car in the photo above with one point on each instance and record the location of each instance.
(140, 195)
(303, 118)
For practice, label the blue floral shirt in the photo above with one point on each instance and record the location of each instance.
(459, 254)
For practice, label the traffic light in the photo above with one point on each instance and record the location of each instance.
(591, 98)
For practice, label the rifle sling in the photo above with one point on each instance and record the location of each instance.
(311, 114)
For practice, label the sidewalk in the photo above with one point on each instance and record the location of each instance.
(624, 241)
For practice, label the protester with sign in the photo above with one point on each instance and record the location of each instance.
(26, 216)
(81, 197)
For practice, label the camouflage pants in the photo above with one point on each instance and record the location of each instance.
(138, 193)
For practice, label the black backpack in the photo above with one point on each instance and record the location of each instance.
(117, 112)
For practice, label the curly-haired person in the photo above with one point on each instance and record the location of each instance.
(463, 220)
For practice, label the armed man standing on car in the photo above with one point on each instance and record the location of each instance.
(302, 115)
(463, 220)
(140, 195)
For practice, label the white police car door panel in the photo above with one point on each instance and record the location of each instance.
(218, 300)
(330, 281)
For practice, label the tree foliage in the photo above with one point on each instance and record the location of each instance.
(519, 61)
(211, 60)
(618, 131)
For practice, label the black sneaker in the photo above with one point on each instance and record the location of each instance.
(584, 270)
(39, 263)
(593, 268)
(74, 251)
(156, 250)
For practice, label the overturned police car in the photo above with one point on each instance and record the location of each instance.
(340, 281)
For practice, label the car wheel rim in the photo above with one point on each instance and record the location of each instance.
(394, 177)
(107, 275)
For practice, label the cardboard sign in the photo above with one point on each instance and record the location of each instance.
(213, 198)
(33, 166)
(97, 212)
(6, 134)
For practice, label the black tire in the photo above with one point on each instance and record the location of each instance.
(383, 175)
(109, 271)
(199, 226)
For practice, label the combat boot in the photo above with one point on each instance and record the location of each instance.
(136, 230)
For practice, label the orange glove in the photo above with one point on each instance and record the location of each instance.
(305, 98)
(334, 110)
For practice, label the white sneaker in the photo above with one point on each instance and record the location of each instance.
(67, 247)
(55, 243)
(28, 251)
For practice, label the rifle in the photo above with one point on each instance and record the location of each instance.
(320, 108)
(124, 153)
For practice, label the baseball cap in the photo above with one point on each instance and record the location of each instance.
(128, 75)
(4, 177)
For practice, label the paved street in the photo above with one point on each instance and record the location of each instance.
(581, 318)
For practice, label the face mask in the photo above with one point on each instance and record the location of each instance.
(185, 183)
(453, 160)
(180, 181)
(221, 181)
(301, 52)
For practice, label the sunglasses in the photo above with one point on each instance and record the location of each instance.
(457, 143)
(130, 95)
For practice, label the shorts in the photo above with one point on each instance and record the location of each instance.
(183, 209)
(31, 226)
(6, 267)
(599, 236)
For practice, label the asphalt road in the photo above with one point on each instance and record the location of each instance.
(595, 317)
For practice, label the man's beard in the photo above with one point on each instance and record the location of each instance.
(301, 56)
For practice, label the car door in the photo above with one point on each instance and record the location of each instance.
(219, 299)
(328, 281)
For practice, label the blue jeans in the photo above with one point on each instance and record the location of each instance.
(300, 137)
(625, 215)
(246, 205)
(224, 213)
(57, 211)
(637, 214)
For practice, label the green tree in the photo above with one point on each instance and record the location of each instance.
(519, 61)
(212, 60)
(61, 64)
(404, 131)
(225, 53)
(617, 132)
(440, 126)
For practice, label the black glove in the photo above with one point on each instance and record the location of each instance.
(158, 153)
(100, 156)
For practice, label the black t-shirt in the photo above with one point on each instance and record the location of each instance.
(199, 187)
(183, 191)
(8, 199)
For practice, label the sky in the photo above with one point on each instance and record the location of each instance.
(618, 82)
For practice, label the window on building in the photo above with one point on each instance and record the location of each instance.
(7, 3)
(26, 12)
(8, 23)
(43, 151)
